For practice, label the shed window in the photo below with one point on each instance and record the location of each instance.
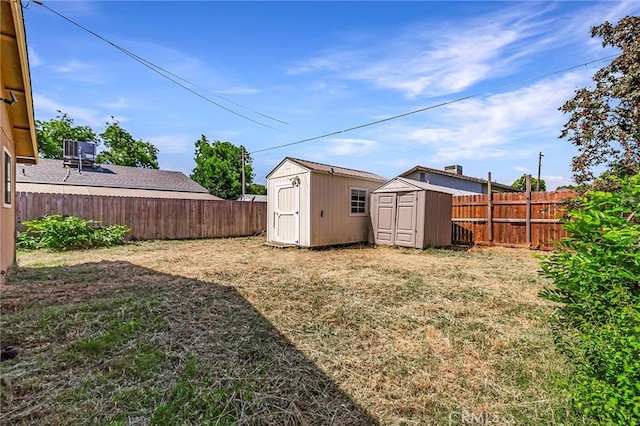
(358, 201)
(6, 163)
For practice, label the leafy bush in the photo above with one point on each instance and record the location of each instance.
(596, 274)
(69, 232)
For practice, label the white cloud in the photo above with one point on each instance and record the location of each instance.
(34, 58)
(454, 62)
(239, 91)
(335, 60)
(398, 163)
(80, 71)
(72, 66)
(444, 57)
(497, 126)
(555, 181)
(176, 62)
(78, 8)
(521, 169)
(423, 61)
(86, 116)
(350, 146)
(121, 103)
(171, 144)
(610, 11)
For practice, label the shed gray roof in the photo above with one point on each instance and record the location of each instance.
(110, 176)
(456, 176)
(410, 184)
(326, 168)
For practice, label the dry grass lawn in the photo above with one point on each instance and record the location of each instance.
(232, 332)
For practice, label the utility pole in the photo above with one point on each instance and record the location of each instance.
(539, 167)
(243, 178)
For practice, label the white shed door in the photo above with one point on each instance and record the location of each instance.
(407, 205)
(287, 213)
(385, 218)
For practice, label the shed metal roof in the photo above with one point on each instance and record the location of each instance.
(334, 170)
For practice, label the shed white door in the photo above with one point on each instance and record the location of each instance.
(287, 213)
(385, 215)
(406, 213)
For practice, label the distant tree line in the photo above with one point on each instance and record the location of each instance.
(122, 149)
(218, 164)
(521, 183)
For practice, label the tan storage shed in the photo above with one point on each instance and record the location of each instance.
(311, 204)
(409, 213)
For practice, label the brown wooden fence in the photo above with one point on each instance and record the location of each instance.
(152, 218)
(527, 219)
(510, 219)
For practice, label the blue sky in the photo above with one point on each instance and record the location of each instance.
(326, 66)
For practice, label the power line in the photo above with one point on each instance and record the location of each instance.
(138, 58)
(163, 72)
(395, 117)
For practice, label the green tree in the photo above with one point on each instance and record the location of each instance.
(604, 120)
(595, 270)
(51, 134)
(595, 283)
(257, 189)
(124, 150)
(521, 183)
(570, 187)
(219, 168)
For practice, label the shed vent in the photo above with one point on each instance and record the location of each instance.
(455, 169)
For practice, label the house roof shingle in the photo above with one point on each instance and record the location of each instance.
(326, 168)
(454, 175)
(54, 172)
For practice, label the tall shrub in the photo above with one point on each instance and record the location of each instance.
(69, 232)
(596, 281)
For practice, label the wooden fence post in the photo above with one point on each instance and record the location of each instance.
(489, 209)
(528, 213)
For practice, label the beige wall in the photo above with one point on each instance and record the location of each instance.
(330, 214)
(436, 211)
(7, 213)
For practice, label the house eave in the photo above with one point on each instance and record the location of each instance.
(16, 80)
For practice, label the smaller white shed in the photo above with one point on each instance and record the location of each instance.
(311, 204)
(410, 213)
